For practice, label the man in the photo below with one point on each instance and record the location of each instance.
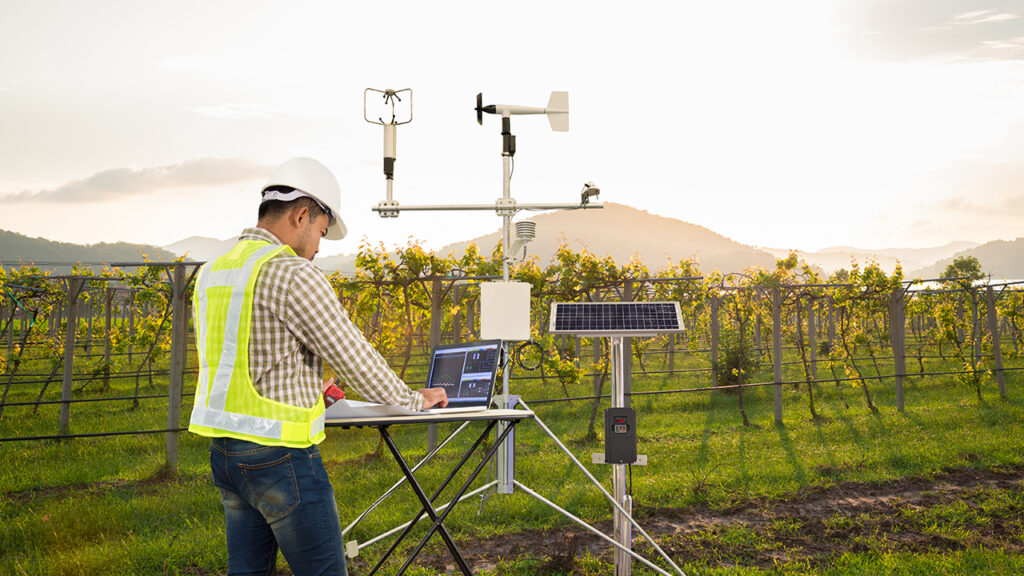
(266, 320)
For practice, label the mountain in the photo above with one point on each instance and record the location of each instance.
(836, 257)
(344, 263)
(623, 232)
(202, 249)
(1003, 259)
(15, 248)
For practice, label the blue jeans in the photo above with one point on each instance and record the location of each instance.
(276, 497)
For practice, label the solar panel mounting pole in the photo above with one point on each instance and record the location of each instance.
(622, 529)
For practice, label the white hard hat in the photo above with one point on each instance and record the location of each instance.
(315, 180)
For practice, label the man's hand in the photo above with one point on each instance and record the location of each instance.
(434, 397)
(332, 380)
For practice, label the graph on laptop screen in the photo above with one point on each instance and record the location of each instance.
(465, 371)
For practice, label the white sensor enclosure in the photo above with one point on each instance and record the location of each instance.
(505, 311)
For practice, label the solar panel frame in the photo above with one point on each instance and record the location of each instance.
(615, 318)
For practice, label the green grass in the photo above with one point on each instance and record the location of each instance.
(977, 562)
(101, 506)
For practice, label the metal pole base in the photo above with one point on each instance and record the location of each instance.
(624, 536)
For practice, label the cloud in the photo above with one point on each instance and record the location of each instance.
(983, 17)
(1008, 44)
(926, 29)
(120, 183)
(972, 15)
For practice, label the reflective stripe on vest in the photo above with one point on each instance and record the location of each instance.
(226, 402)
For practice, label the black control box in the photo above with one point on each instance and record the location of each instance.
(619, 436)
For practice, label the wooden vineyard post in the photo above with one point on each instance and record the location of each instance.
(832, 324)
(597, 380)
(435, 312)
(54, 321)
(457, 317)
(86, 313)
(714, 340)
(131, 328)
(435, 340)
(108, 302)
(471, 319)
(975, 329)
(993, 326)
(757, 336)
(960, 320)
(897, 328)
(777, 350)
(671, 353)
(179, 345)
(812, 340)
(10, 329)
(627, 347)
(74, 288)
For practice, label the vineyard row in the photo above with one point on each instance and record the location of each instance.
(860, 326)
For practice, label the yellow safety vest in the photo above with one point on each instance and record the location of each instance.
(226, 402)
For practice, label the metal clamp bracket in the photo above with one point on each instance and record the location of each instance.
(388, 208)
(505, 206)
(598, 458)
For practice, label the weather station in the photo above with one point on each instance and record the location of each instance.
(505, 305)
(505, 316)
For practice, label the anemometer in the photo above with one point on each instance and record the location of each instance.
(389, 208)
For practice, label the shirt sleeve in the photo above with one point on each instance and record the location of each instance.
(318, 319)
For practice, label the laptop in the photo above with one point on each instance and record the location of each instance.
(467, 372)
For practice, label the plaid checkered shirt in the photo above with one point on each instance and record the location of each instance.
(297, 324)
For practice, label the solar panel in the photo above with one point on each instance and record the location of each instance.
(615, 318)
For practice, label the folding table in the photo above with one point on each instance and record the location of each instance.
(381, 424)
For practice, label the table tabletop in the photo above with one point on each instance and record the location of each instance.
(376, 421)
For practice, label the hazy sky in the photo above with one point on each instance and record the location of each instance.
(791, 124)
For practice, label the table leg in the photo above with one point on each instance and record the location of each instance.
(411, 478)
(439, 521)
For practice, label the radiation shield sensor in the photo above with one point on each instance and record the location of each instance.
(526, 231)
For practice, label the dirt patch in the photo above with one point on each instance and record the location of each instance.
(154, 482)
(959, 509)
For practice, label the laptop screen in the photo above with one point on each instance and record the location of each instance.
(465, 371)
